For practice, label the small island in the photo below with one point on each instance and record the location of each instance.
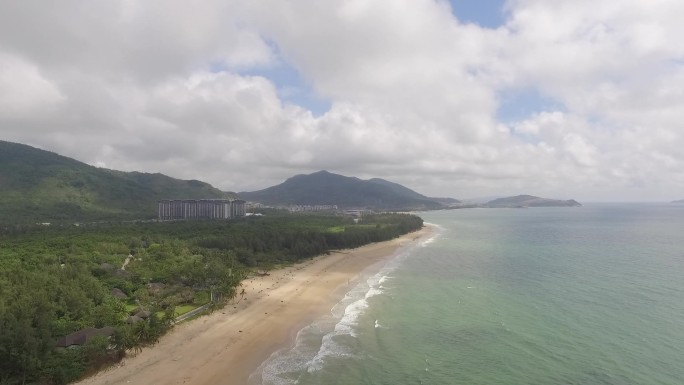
(681, 201)
(520, 201)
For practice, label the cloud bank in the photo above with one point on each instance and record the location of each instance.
(415, 94)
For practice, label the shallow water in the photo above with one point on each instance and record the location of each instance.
(591, 295)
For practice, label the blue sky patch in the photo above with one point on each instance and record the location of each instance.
(486, 13)
(520, 104)
(292, 88)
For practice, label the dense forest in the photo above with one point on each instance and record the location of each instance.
(129, 281)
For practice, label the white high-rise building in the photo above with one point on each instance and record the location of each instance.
(200, 208)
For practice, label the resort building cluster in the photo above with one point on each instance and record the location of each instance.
(301, 208)
(178, 209)
(201, 208)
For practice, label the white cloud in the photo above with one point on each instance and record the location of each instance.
(24, 90)
(160, 86)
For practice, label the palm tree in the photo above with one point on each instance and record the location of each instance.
(124, 340)
(142, 332)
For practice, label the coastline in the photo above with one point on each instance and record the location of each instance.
(231, 344)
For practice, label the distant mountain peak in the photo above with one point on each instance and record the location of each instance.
(326, 188)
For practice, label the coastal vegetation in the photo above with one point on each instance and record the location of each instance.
(125, 283)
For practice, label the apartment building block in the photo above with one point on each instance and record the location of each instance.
(200, 208)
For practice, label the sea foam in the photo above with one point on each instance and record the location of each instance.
(333, 335)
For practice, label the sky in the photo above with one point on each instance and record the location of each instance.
(579, 99)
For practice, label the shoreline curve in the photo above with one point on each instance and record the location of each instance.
(229, 345)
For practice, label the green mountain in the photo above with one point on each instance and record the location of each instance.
(531, 201)
(41, 186)
(325, 188)
(407, 192)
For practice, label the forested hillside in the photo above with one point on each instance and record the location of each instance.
(134, 278)
(41, 186)
(326, 188)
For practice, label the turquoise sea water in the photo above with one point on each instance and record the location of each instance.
(591, 295)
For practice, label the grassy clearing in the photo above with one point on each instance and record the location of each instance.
(182, 309)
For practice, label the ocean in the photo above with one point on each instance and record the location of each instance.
(588, 296)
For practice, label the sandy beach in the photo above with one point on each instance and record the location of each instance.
(230, 344)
